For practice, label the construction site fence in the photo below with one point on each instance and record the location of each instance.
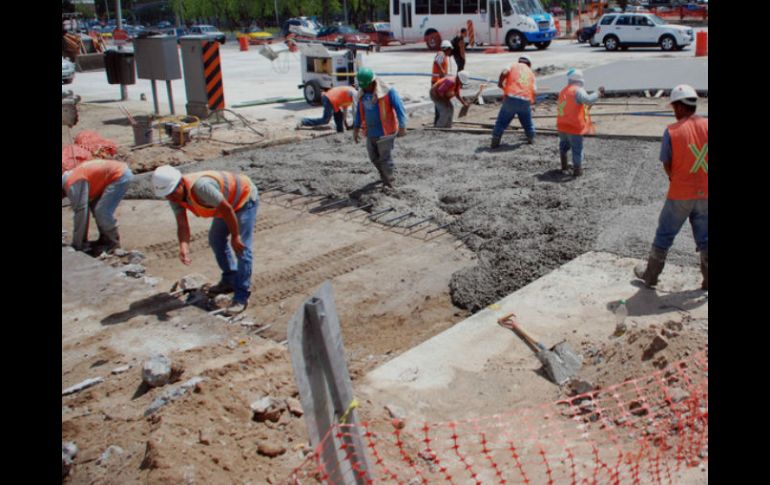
(641, 431)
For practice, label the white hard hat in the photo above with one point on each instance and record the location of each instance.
(575, 75)
(165, 180)
(463, 77)
(445, 44)
(525, 58)
(684, 93)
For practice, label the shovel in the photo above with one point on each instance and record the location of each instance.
(560, 362)
(464, 109)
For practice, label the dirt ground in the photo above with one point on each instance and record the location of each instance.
(518, 218)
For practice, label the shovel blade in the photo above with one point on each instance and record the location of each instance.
(560, 363)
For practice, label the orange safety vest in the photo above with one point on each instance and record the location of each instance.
(690, 159)
(340, 97)
(436, 72)
(572, 117)
(520, 82)
(448, 94)
(235, 188)
(387, 115)
(98, 173)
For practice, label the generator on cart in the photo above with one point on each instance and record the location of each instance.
(326, 65)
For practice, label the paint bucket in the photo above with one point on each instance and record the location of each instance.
(701, 44)
(142, 131)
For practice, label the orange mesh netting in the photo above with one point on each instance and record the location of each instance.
(74, 155)
(640, 431)
(100, 147)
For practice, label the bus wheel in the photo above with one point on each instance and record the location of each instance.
(432, 40)
(515, 41)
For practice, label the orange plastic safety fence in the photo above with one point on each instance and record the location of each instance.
(639, 431)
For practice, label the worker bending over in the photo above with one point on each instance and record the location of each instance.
(335, 101)
(232, 200)
(440, 68)
(382, 116)
(573, 120)
(684, 153)
(98, 185)
(442, 93)
(518, 85)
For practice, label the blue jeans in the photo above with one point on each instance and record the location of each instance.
(104, 209)
(575, 142)
(510, 108)
(672, 217)
(339, 116)
(236, 271)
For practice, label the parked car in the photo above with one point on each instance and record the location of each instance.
(208, 31)
(164, 24)
(67, 71)
(584, 34)
(621, 31)
(379, 33)
(343, 33)
(257, 35)
(302, 26)
(557, 11)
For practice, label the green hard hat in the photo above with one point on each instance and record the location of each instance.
(365, 77)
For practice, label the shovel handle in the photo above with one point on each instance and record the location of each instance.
(508, 322)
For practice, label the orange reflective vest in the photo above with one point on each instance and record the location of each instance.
(98, 173)
(235, 188)
(451, 91)
(437, 72)
(520, 82)
(387, 115)
(340, 97)
(690, 159)
(572, 117)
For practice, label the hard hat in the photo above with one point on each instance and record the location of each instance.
(445, 44)
(365, 77)
(525, 59)
(684, 93)
(463, 77)
(575, 75)
(165, 180)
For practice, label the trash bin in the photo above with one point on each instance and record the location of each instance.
(142, 130)
(120, 67)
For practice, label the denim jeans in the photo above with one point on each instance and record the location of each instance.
(672, 217)
(381, 153)
(104, 208)
(510, 108)
(445, 110)
(339, 116)
(575, 142)
(235, 270)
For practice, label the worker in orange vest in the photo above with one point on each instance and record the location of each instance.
(98, 185)
(519, 87)
(335, 101)
(442, 93)
(232, 200)
(573, 120)
(440, 69)
(684, 153)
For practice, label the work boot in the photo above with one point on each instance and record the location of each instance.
(655, 263)
(577, 171)
(495, 141)
(223, 287)
(234, 309)
(565, 165)
(108, 241)
(704, 269)
(530, 140)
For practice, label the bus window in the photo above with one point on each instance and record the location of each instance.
(453, 6)
(507, 9)
(396, 4)
(420, 6)
(471, 6)
(437, 7)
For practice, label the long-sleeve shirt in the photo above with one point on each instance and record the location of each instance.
(372, 113)
(582, 96)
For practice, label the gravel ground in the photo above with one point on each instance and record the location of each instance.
(526, 217)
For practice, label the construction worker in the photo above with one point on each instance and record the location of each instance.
(98, 185)
(382, 116)
(442, 93)
(440, 68)
(573, 120)
(684, 153)
(334, 101)
(232, 200)
(458, 49)
(518, 85)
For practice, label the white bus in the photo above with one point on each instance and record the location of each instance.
(515, 23)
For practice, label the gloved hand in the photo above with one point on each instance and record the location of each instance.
(401, 132)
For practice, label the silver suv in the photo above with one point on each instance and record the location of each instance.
(621, 31)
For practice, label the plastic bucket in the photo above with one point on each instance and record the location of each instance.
(142, 133)
(244, 42)
(701, 44)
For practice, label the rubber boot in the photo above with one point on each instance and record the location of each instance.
(704, 269)
(564, 163)
(577, 171)
(655, 263)
(111, 240)
(530, 140)
(495, 141)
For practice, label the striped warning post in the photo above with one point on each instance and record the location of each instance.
(471, 34)
(212, 70)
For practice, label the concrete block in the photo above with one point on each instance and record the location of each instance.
(156, 371)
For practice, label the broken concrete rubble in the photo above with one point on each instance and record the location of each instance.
(267, 409)
(156, 371)
(82, 385)
(172, 394)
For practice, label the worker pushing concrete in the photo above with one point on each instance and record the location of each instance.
(519, 88)
(440, 69)
(98, 185)
(442, 93)
(684, 153)
(382, 116)
(573, 120)
(334, 101)
(232, 200)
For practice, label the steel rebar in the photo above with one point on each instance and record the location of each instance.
(419, 222)
(442, 226)
(360, 207)
(331, 204)
(375, 214)
(398, 218)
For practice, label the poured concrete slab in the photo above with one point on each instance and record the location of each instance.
(479, 368)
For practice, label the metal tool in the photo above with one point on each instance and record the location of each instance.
(398, 218)
(419, 222)
(464, 109)
(379, 213)
(442, 226)
(560, 362)
(360, 207)
(331, 204)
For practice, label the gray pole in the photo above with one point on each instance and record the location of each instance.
(123, 88)
(277, 22)
(107, 7)
(346, 11)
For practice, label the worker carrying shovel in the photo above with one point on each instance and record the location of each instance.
(98, 186)
(573, 120)
(382, 116)
(442, 93)
(335, 101)
(232, 200)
